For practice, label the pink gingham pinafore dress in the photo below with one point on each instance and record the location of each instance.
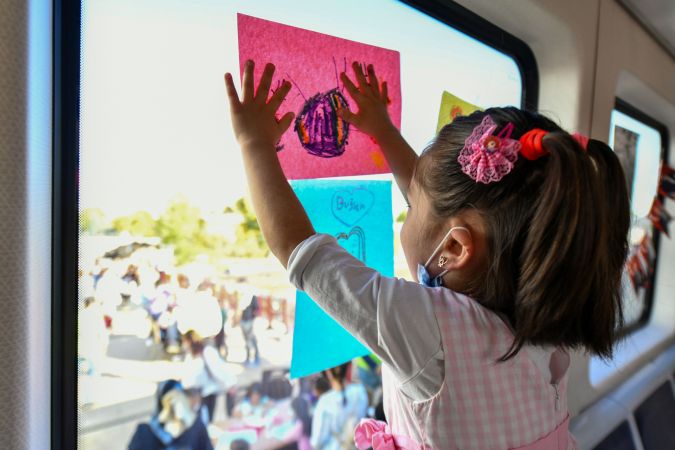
(482, 404)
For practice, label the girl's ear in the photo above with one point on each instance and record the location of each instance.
(458, 250)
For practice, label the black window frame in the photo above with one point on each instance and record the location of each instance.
(639, 115)
(66, 53)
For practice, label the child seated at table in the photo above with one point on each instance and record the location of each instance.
(301, 430)
(254, 405)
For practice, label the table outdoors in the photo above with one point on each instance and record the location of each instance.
(271, 431)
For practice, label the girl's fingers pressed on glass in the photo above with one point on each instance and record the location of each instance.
(279, 95)
(248, 81)
(351, 88)
(231, 92)
(347, 115)
(372, 78)
(285, 122)
(385, 93)
(265, 82)
(360, 77)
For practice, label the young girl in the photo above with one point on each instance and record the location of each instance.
(328, 417)
(205, 370)
(517, 234)
(255, 404)
(302, 429)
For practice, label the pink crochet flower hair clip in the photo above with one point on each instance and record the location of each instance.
(487, 158)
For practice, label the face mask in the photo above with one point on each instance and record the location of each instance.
(423, 275)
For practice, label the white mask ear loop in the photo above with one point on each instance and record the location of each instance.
(441, 245)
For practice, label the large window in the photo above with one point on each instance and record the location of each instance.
(166, 232)
(639, 143)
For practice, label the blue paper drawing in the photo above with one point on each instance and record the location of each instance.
(354, 242)
(358, 214)
(351, 205)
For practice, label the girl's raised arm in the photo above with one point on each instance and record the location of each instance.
(283, 221)
(371, 307)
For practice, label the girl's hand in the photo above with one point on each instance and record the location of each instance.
(254, 119)
(372, 99)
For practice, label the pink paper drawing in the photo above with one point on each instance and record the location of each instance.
(319, 144)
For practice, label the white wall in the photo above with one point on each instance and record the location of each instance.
(588, 53)
(25, 223)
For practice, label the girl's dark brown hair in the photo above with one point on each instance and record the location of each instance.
(556, 229)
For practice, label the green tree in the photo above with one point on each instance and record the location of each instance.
(249, 240)
(93, 221)
(140, 223)
(182, 226)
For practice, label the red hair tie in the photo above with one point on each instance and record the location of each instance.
(530, 144)
(581, 139)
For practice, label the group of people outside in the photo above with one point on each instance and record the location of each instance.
(190, 321)
(326, 407)
(175, 303)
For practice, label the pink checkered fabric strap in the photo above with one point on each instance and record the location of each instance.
(482, 404)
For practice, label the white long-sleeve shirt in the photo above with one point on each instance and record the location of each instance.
(393, 317)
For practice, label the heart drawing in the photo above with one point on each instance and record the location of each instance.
(350, 206)
(354, 242)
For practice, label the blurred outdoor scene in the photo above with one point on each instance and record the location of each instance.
(185, 320)
(155, 292)
(184, 316)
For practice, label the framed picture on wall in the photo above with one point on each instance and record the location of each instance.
(625, 146)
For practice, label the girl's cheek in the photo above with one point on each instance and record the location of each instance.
(402, 236)
(405, 243)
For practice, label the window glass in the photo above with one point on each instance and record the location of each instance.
(165, 219)
(638, 147)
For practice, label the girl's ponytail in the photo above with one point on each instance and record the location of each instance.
(556, 228)
(569, 289)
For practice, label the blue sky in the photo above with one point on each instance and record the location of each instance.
(155, 122)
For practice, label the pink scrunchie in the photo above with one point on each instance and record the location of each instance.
(377, 434)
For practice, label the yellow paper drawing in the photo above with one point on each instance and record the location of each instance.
(451, 107)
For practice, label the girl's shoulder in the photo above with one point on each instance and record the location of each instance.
(456, 302)
(455, 306)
